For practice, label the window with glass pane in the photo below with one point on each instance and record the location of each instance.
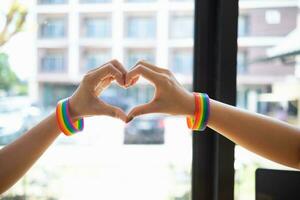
(53, 28)
(138, 1)
(182, 25)
(95, 1)
(182, 61)
(140, 27)
(243, 25)
(149, 158)
(134, 55)
(53, 61)
(52, 93)
(94, 57)
(241, 62)
(52, 1)
(97, 27)
(267, 34)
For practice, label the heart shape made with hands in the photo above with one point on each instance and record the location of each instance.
(130, 80)
(169, 96)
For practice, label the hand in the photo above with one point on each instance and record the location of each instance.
(170, 97)
(85, 100)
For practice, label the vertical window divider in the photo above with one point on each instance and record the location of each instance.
(215, 48)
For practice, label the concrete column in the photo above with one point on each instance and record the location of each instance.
(73, 38)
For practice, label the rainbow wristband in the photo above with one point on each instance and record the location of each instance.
(199, 121)
(64, 121)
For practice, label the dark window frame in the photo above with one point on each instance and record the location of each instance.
(215, 50)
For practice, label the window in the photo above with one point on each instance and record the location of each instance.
(53, 28)
(140, 27)
(52, 1)
(182, 26)
(243, 25)
(94, 57)
(109, 159)
(241, 62)
(182, 61)
(95, 1)
(264, 77)
(97, 27)
(140, 1)
(53, 61)
(52, 93)
(272, 16)
(134, 55)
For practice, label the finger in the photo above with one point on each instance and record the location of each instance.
(151, 66)
(103, 85)
(112, 111)
(115, 62)
(141, 70)
(134, 81)
(142, 110)
(107, 71)
(119, 66)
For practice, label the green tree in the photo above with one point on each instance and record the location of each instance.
(7, 77)
(14, 23)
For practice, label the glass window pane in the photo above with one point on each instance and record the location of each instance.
(95, 1)
(53, 61)
(182, 61)
(140, 1)
(182, 26)
(243, 25)
(53, 28)
(149, 158)
(266, 72)
(97, 27)
(134, 55)
(93, 58)
(141, 27)
(52, 1)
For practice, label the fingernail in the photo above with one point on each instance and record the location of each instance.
(131, 82)
(130, 118)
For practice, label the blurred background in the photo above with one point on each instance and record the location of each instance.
(47, 45)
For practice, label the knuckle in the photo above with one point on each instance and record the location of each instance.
(114, 61)
(169, 82)
(140, 68)
(166, 71)
(141, 62)
(166, 80)
(110, 67)
(86, 78)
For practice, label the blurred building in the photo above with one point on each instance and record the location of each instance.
(76, 36)
(263, 26)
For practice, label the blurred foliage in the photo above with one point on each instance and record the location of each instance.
(9, 82)
(14, 21)
(7, 77)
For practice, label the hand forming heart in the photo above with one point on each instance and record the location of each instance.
(170, 97)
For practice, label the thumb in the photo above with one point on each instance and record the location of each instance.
(142, 110)
(112, 111)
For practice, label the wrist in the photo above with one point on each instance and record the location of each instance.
(190, 104)
(74, 113)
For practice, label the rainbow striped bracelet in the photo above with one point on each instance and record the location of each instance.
(64, 121)
(199, 121)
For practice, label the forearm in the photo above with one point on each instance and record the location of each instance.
(17, 157)
(273, 139)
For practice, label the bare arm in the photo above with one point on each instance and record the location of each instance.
(17, 157)
(263, 135)
(268, 137)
